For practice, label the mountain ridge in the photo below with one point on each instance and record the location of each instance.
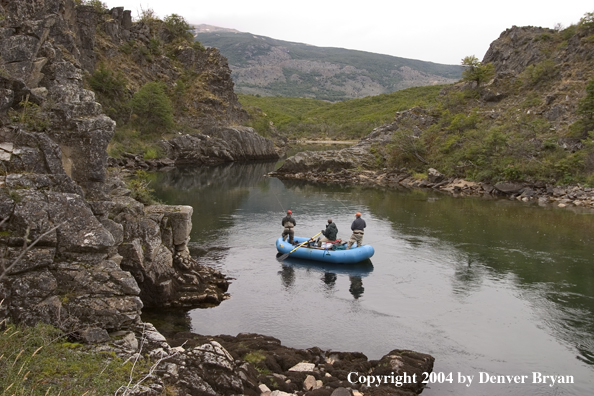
(270, 67)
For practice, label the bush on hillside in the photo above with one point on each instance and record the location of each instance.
(587, 21)
(111, 92)
(152, 108)
(178, 27)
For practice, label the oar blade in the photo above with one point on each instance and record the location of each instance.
(282, 257)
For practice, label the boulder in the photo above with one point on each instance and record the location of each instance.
(509, 188)
(219, 145)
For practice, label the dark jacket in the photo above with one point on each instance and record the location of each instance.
(358, 224)
(330, 232)
(288, 219)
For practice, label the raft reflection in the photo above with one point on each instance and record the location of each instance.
(329, 273)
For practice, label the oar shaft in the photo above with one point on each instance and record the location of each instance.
(303, 243)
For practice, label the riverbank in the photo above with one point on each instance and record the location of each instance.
(541, 193)
(262, 366)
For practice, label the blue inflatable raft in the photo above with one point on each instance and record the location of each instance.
(355, 254)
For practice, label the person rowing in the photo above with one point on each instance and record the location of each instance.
(329, 234)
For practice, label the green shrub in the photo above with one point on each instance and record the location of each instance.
(111, 91)
(152, 153)
(541, 72)
(108, 83)
(587, 21)
(197, 45)
(152, 108)
(254, 357)
(568, 32)
(586, 108)
(147, 16)
(155, 47)
(29, 114)
(96, 4)
(139, 188)
(178, 27)
(127, 47)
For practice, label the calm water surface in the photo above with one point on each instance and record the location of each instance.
(482, 285)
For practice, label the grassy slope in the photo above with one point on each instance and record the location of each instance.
(351, 119)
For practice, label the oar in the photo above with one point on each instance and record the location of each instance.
(284, 256)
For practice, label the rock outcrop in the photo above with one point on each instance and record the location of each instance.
(219, 145)
(216, 146)
(76, 250)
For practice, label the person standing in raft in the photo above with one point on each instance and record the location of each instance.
(288, 223)
(358, 228)
(329, 233)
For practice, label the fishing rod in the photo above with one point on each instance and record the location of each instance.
(278, 200)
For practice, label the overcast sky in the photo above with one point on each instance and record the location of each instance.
(432, 30)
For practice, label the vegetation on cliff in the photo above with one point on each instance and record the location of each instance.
(532, 122)
(155, 81)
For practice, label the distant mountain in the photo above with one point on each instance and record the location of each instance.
(269, 67)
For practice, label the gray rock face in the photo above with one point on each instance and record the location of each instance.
(225, 144)
(31, 55)
(155, 252)
(96, 255)
(515, 49)
(68, 279)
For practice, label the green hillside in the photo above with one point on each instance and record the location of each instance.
(350, 119)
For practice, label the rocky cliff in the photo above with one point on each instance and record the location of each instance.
(76, 250)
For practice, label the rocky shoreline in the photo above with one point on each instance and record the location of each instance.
(540, 193)
(257, 365)
(253, 364)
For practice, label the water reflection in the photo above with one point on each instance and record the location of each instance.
(215, 193)
(329, 274)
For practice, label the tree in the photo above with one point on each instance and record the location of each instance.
(476, 71)
(152, 107)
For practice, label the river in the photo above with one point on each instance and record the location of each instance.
(484, 285)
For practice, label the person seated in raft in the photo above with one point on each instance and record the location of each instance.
(289, 224)
(329, 235)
